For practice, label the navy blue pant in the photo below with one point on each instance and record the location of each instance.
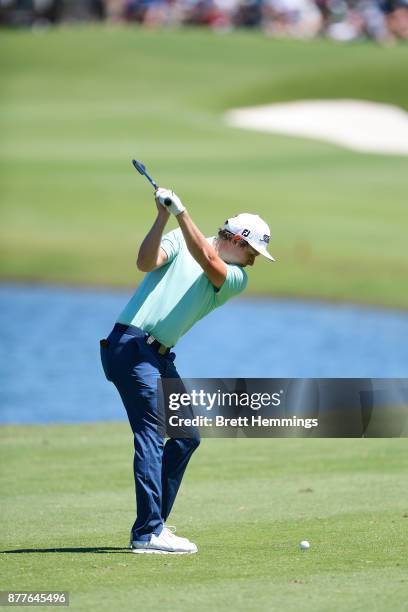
(134, 367)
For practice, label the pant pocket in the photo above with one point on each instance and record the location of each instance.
(104, 347)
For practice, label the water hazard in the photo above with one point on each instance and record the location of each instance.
(49, 348)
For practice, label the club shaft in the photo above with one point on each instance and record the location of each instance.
(142, 170)
(149, 178)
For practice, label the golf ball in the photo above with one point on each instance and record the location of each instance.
(304, 545)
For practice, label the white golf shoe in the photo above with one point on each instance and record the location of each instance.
(164, 544)
(172, 529)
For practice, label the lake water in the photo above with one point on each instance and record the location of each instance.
(49, 348)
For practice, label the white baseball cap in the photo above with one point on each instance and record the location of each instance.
(253, 229)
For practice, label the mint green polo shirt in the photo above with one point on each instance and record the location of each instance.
(178, 294)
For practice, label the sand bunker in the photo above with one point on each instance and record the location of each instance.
(355, 124)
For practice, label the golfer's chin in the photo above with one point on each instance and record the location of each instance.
(235, 261)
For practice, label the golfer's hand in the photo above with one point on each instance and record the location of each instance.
(170, 201)
(162, 210)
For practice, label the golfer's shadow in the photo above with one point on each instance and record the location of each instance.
(97, 549)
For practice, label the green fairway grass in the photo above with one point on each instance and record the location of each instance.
(77, 104)
(67, 506)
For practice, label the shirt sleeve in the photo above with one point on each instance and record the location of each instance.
(170, 243)
(235, 282)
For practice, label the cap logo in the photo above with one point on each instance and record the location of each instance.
(265, 238)
(245, 233)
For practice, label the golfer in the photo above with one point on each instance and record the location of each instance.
(188, 275)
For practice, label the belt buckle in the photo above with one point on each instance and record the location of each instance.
(161, 349)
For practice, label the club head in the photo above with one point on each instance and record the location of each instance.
(139, 166)
(142, 170)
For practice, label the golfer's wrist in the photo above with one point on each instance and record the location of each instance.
(163, 213)
(179, 214)
(162, 218)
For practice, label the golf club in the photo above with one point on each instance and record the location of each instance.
(141, 168)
